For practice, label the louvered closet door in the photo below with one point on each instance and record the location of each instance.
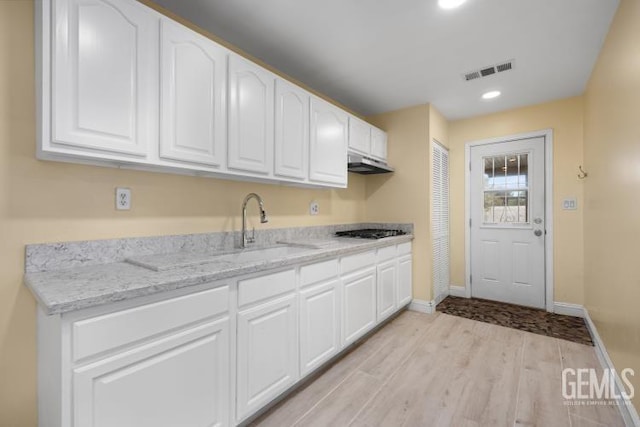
(440, 219)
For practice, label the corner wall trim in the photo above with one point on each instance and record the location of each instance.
(440, 297)
(568, 309)
(458, 291)
(422, 306)
(627, 410)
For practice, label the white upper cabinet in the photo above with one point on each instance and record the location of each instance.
(378, 144)
(193, 78)
(120, 84)
(328, 144)
(251, 92)
(291, 131)
(359, 136)
(104, 76)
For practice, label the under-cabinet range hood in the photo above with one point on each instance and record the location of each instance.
(358, 163)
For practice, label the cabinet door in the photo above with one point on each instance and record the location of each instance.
(319, 325)
(328, 145)
(267, 353)
(378, 144)
(193, 83)
(359, 136)
(291, 131)
(387, 284)
(250, 144)
(104, 82)
(179, 380)
(359, 304)
(404, 280)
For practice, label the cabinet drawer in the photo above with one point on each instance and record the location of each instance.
(270, 285)
(98, 334)
(386, 253)
(357, 261)
(404, 248)
(318, 272)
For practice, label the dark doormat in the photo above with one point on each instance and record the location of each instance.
(514, 316)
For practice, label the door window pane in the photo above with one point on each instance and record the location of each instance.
(506, 172)
(506, 195)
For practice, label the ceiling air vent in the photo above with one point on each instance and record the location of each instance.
(471, 76)
(487, 71)
(490, 70)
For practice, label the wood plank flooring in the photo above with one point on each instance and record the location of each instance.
(442, 370)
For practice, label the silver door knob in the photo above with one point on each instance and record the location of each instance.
(538, 233)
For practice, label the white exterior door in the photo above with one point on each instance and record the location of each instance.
(104, 66)
(193, 84)
(508, 222)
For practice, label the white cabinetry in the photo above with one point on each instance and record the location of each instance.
(291, 131)
(378, 144)
(251, 118)
(387, 282)
(320, 312)
(267, 361)
(193, 108)
(359, 136)
(328, 144)
(180, 380)
(404, 274)
(163, 363)
(359, 295)
(103, 76)
(217, 355)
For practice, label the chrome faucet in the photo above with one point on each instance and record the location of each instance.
(263, 218)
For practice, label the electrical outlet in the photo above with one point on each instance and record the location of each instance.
(570, 204)
(314, 208)
(123, 199)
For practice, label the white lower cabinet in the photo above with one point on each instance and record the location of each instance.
(359, 304)
(405, 282)
(319, 324)
(267, 353)
(386, 286)
(217, 355)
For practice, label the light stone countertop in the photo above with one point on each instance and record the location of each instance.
(66, 290)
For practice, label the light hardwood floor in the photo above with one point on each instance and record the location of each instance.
(441, 370)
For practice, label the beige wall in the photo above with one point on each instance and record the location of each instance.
(612, 192)
(565, 118)
(403, 195)
(48, 201)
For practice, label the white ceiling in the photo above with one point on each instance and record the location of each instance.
(380, 55)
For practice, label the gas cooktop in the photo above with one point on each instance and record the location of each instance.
(370, 233)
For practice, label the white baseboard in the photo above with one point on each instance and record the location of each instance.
(422, 306)
(440, 297)
(628, 411)
(457, 291)
(568, 309)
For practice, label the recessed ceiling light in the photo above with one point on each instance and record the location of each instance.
(491, 94)
(450, 4)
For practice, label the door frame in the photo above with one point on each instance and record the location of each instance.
(547, 134)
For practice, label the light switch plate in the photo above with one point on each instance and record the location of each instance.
(123, 199)
(570, 204)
